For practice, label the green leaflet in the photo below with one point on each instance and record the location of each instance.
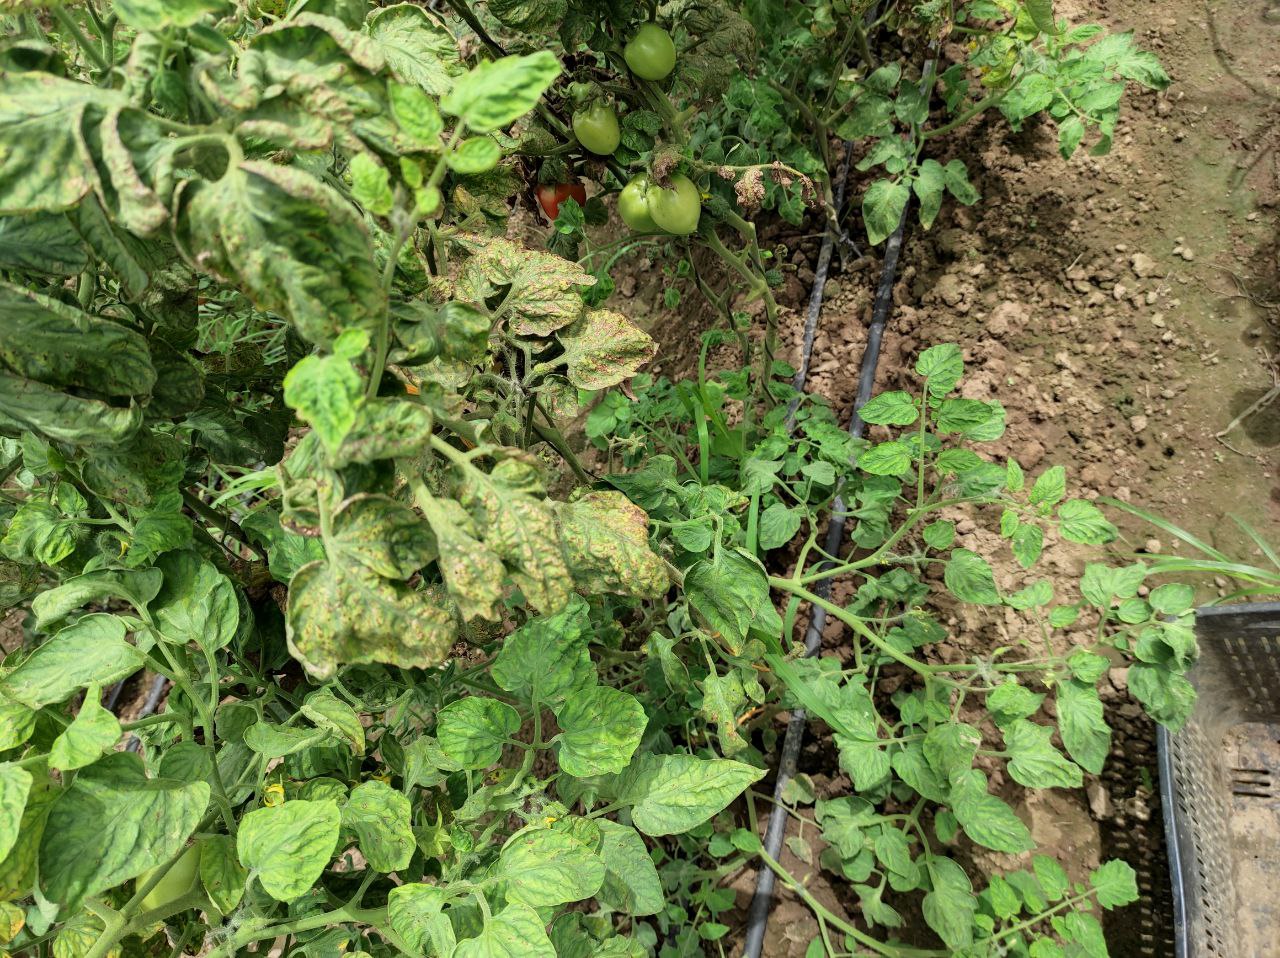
(949, 908)
(969, 578)
(417, 915)
(985, 818)
(547, 657)
(514, 932)
(196, 604)
(1085, 732)
(221, 873)
(17, 722)
(92, 650)
(496, 92)
(329, 712)
(288, 847)
(1115, 884)
(631, 882)
(112, 824)
(18, 868)
(894, 408)
(156, 14)
(291, 244)
(1033, 761)
(380, 818)
(39, 532)
(46, 340)
(473, 730)
(549, 867)
(327, 391)
(600, 729)
(340, 615)
(15, 784)
(277, 741)
(45, 165)
(670, 794)
(93, 731)
(732, 596)
(882, 208)
(606, 543)
(779, 525)
(287, 552)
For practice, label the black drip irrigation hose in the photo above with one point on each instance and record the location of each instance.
(154, 695)
(762, 900)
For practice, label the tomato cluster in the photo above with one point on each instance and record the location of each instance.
(644, 205)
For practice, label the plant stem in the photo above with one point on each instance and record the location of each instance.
(463, 9)
(90, 50)
(223, 522)
(979, 107)
(825, 914)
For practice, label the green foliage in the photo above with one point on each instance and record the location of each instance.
(280, 400)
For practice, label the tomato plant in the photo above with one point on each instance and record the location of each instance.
(282, 409)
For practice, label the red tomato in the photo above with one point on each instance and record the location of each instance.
(550, 197)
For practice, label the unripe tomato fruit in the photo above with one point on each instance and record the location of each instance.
(596, 128)
(650, 54)
(177, 881)
(678, 208)
(633, 205)
(550, 197)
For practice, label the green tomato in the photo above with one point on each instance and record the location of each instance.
(596, 128)
(177, 881)
(677, 209)
(633, 205)
(650, 54)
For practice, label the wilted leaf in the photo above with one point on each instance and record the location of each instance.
(291, 243)
(603, 348)
(519, 526)
(541, 289)
(471, 570)
(45, 165)
(343, 616)
(606, 541)
(418, 49)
